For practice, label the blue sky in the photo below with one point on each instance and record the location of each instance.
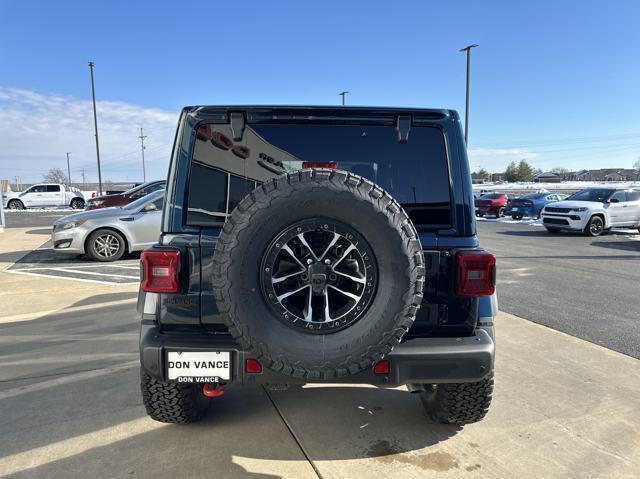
(554, 82)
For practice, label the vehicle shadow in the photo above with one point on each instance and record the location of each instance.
(630, 245)
(538, 232)
(39, 231)
(76, 429)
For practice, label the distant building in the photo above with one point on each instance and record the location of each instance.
(603, 174)
(547, 177)
(497, 177)
(478, 179)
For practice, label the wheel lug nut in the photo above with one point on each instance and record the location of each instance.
(327, 261)
(332, 277)
(309, 261)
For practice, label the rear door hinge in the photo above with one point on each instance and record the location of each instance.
(403, 126)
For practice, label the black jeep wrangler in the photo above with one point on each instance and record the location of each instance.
(317, 245)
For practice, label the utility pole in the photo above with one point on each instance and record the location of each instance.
(82, 173)
(68, 170)
(466, 112)
(343, 95)
(144, 173)
(95, 124)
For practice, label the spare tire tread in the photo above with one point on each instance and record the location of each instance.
(260, 199)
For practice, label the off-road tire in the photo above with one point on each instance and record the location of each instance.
(552, 230)
(77, 204)
(15, 205)
(591, 230)
(175, 403)
(336, 195)
(458, 403)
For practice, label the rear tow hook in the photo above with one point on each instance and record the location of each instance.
(214, 390)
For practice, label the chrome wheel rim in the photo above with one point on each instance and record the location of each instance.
(106, 245)
(319, 275)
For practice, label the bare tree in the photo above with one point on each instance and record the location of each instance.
(55, 175)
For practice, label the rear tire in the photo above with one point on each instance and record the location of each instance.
(595, 227)
(15, 205)
(458, 403)
(500, 213)
(105, 245)
(174, 403)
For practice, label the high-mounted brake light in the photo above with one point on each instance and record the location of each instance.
(476, 273)
(160, 270)
(320, 164)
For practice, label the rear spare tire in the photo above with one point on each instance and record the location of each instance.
(318, 273)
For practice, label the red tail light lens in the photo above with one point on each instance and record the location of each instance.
(382, 367)
(320, 164)
(160, 270)
(476, 273)
(253, 366)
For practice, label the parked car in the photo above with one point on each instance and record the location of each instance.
(127, 197)
(491, 204)
(44, 195)
(531, 205)
(108, 233)
(594, 210)
(318, 274)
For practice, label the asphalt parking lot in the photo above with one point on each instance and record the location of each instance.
(70, 405)
(585, 287)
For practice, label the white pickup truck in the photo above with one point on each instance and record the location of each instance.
(44, 195)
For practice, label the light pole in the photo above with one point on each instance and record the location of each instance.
(95, 125)
(343, 95)
(466, 113)
(144, 173)
(68, 170)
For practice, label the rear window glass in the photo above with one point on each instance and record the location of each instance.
(415, 173)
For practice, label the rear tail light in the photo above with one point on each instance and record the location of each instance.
(476, 273)
(382, 367)
(253, 366)
(320, 164)
(160, 269)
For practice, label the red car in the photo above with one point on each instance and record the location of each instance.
(491, 204)
(126, 197)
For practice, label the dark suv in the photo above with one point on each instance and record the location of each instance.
(317, 245)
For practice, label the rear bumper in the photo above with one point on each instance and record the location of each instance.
(420, 360)
(521, 210)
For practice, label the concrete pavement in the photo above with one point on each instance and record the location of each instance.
(70, 407)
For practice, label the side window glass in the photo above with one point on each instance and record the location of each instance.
(620, 196)
(53, 188)
(633, 195)
(37, 189)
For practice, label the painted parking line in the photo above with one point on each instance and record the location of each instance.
(59, 275)
(45, 262)
(73, 270)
